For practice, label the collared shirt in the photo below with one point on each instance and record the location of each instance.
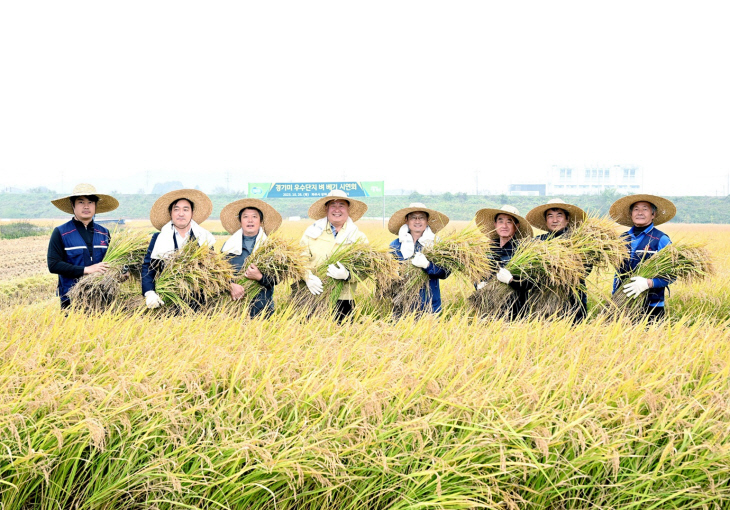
(179, 239)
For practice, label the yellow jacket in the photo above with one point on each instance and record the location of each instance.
(320, 248)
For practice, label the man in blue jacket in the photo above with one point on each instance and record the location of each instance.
(416, 227)
(642, 213)
(78, 246)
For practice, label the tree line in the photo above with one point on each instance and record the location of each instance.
(458, 206)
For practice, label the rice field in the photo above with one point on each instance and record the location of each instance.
(140, 410)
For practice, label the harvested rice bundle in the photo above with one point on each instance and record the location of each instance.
(193, 276)
(553, 262)
(279, 258)
(125, 255)
(495, 299)
(599, 243)
(363, 261)
(678, 261)
(464, 253)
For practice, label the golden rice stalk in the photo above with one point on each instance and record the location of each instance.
(553, 262)
(599, 243)
(679, 261)
(363, 261)
(464, 253)
(193, 275)
(279, 258)
(125, 255)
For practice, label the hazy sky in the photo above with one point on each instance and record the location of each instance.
(421, 94)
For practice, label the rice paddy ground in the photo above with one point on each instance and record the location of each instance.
(219, 411)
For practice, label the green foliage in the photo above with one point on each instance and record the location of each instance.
(19, 229)
(458, 206)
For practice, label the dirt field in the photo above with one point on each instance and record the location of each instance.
(23, 257)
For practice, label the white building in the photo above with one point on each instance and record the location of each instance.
(568, 180)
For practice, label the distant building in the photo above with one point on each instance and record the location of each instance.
(528, 189)
(625, 179)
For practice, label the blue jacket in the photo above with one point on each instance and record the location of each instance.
(264, 300)
(77, 252)
(644, 245)
(431, 294)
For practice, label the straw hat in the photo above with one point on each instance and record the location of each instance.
(486, 220)
(436, 220)
(106, 203)
(621, 209)
(230, 221)
(536, 216)
(202, 206)
(318, 210)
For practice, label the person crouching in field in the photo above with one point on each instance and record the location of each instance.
(177, 215)
(506, 228)
(416, 227)
(335, 216)
(642, 213)
(249, 221)
(78, 246)
(557, 219)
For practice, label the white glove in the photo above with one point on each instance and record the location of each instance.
(420, 260)
(153, 299)
(504, 276)
(314, 284)
(481, 285)
(636, 287)
(338, 272)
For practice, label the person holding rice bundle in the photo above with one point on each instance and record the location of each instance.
(78, 246)
(416, 226)
(177, 215)
(642, 213)
(506, 229)
(557, 219)
(335, 216)
(250, 221)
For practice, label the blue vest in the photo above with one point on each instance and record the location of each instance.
(77, 253)
(650, 243)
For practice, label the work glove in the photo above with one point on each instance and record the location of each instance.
(338, 272)
(314, 284)
(481, 285)
(420, 260)
(153, 299)
(636, 287)
(504, 276)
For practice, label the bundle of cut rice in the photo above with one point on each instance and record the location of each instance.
(679, 261)
(553, 267)
(278, 258)
(599, 243)
(125, 254)
(363, 260)
(463, 253)
(193, 276)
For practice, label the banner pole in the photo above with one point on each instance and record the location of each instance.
(383, 186)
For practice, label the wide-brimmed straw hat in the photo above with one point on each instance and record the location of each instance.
(436, 220)
(202, 206)
(106, 203)
(536, 216)
(318, 210)
(621, 209)
(230, 221)
(486, 220)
